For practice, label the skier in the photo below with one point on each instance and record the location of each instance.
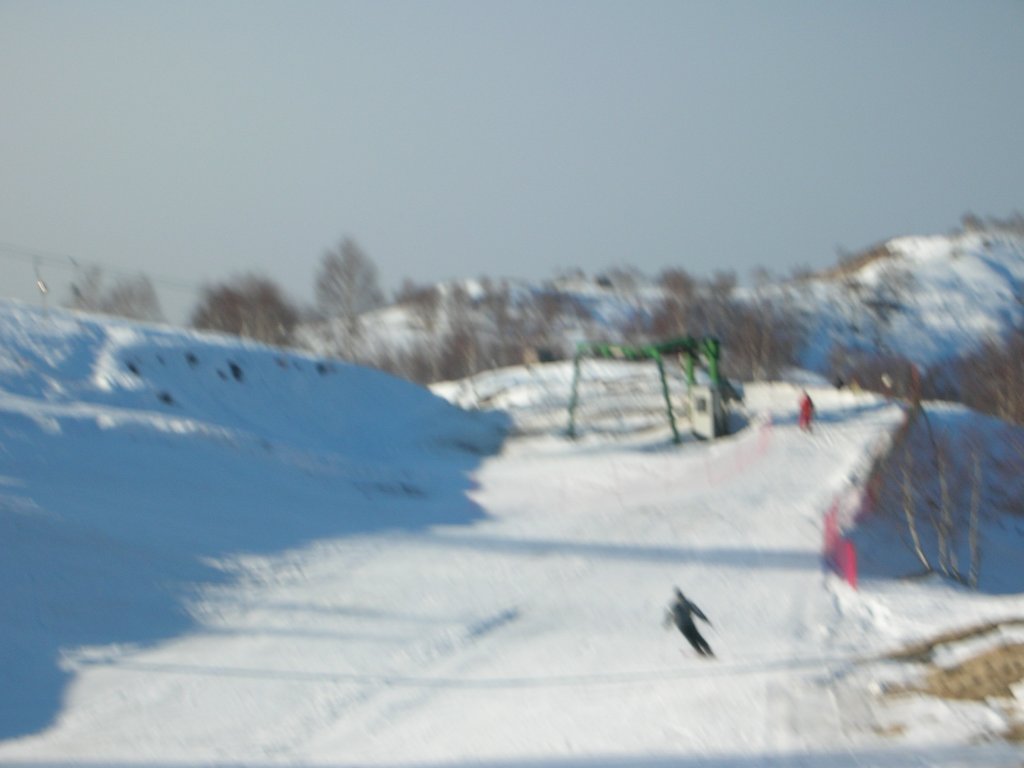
(806, 411)
(681, 614)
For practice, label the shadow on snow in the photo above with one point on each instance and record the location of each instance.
(107, 534)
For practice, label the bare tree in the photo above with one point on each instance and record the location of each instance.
(669, 319)
(973, 537)
(541, 318)
(933, 484)
(135, 298)
(908, 487)
(131, 297)
(942, 516)
(762, 334)
(673, 316)
(992, 379)
(250, 306)
(624, 279)
(678, 283)
(886, 297)
(346, 287)
(497, 307)
(972, 222)
(460, 349)
(627, 282)
(424, 301)
(87, 290)
(716, 301)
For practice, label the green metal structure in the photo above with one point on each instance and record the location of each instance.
(688, 349)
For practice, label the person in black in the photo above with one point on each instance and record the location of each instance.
(682, 613)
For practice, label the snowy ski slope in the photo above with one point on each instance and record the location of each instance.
(305, 566)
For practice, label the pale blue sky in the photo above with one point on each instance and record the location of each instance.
(196, 139)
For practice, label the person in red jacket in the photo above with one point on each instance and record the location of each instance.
(806, 411)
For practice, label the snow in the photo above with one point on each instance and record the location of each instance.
(938, 298)
(233, 555)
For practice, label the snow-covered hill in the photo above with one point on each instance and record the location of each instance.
(138, 462)
(928, 300)
(217, 553)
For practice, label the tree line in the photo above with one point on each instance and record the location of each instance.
(457, 330)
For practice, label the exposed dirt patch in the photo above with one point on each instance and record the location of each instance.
(924, 651)
(855, 262)
(990, 674)
(1015, 733)
(891, 731)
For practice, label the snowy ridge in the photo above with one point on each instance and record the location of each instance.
(929, 299)
(340, 568)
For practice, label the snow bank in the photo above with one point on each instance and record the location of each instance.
(135, 459)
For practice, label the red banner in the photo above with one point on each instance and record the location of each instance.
(839, 552)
